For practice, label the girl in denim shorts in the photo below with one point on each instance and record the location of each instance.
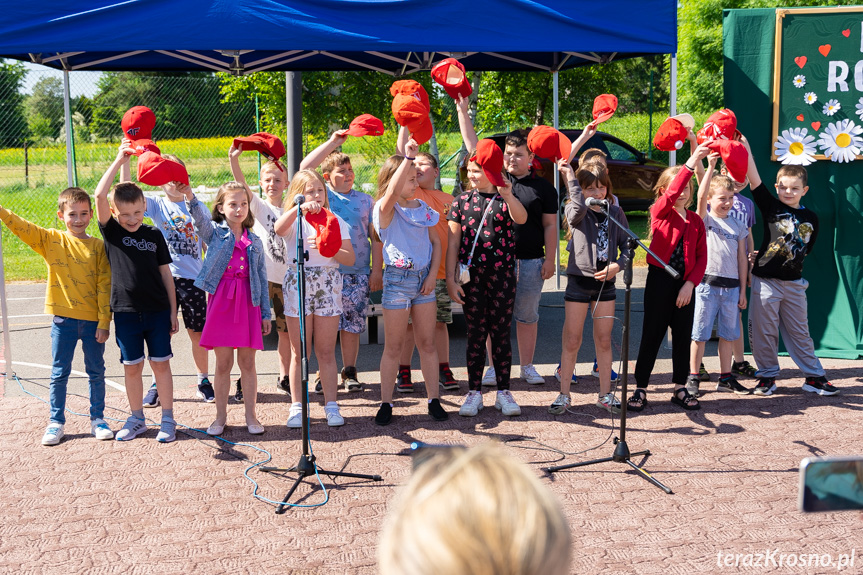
(411, 248)
(323, 294)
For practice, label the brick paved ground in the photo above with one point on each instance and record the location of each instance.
(143, 507)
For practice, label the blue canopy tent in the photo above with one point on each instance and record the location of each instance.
(391, 36)
(395, 37)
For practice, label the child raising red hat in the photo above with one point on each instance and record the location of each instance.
(268, 145)
(721, 125)
(450, 74)
(329, 236)
(138, 123)
(548, 143)
(489, 157)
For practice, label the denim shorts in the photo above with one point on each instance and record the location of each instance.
(132, 329)
(528, 290)
(444, 303)
(712, 303)
(402, 288)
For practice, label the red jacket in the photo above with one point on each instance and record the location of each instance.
(668, 228)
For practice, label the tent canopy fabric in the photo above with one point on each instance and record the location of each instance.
(393, 36)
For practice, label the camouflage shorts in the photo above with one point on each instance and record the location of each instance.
(444, 303)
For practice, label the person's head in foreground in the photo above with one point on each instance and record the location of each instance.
(474, 511)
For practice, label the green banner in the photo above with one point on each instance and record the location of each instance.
(834, 269)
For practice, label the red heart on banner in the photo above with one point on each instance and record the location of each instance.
(800, 61)
(846, 33)
(825, 49)
(816, 126)
(800, 117)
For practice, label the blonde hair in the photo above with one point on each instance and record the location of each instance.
(174, 158)
(385, 174)
(720, 183)
(224, 190)
(303, 177)
(71, 196)
(591, 156)
(441, 522)
(665, 179)
(273, 166)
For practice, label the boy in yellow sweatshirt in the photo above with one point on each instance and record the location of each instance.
(78, 296)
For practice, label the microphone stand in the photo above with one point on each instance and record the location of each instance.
(306, 466)
(621, 451)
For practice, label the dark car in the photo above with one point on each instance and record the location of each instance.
(632, 174)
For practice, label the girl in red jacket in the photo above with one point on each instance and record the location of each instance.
(678, 237)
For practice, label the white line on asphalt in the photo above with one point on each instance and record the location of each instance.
(31, 315)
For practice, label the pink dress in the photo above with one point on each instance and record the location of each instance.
(232, 320)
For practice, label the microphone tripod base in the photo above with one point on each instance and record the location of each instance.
(621, 455)
(306, 467)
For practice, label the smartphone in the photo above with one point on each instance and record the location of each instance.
(831, 484)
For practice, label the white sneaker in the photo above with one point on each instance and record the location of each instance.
(131, 429)
(100, 429)
(560, 405)
(490, 378)
(295, 417)
(334, 418)
(530, 375)
(53, 434)
(472, 404)
(506, 404)
(609, 403)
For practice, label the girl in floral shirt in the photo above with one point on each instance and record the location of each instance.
(481, 236)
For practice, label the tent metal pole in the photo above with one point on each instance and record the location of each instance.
(672, 156)
(294, 117)
(4, 310)
(67, 110)
(555, 77)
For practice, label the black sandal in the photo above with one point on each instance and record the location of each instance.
(686, 400)
(639, 396)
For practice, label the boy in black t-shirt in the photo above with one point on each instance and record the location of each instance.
(778, 303)
(142, 297)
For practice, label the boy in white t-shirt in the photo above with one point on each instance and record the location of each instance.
(722, 292)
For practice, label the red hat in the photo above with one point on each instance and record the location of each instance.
(409, 112)
(138, 123)
(546, 142)
(721, 125)
(154, 170)
(141, 146)
(604, 107)
(734, 155)
(423, 133)
(490, 159)
(671, 135)
(411, 88)
(450, 74)
(329, 238)
(267, 144)
(365, 125)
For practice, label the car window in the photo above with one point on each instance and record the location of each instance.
(618, 152)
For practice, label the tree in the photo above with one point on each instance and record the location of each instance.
(45, 112)
(186, 105)
(13, 122)
(700, 47)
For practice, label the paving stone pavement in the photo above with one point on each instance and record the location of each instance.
(87, 506)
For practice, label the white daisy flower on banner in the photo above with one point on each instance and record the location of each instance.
(840, 141)
(810, 98)
(799, 81)
(860, 108)
(795, 147)
(831, 107)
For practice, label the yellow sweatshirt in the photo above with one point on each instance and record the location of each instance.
(79, 278)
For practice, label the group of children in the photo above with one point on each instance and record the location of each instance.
(488, 249)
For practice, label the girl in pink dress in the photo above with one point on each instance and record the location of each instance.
(238, 310)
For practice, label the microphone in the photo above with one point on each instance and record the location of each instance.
(299, 200)
(595, 202)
